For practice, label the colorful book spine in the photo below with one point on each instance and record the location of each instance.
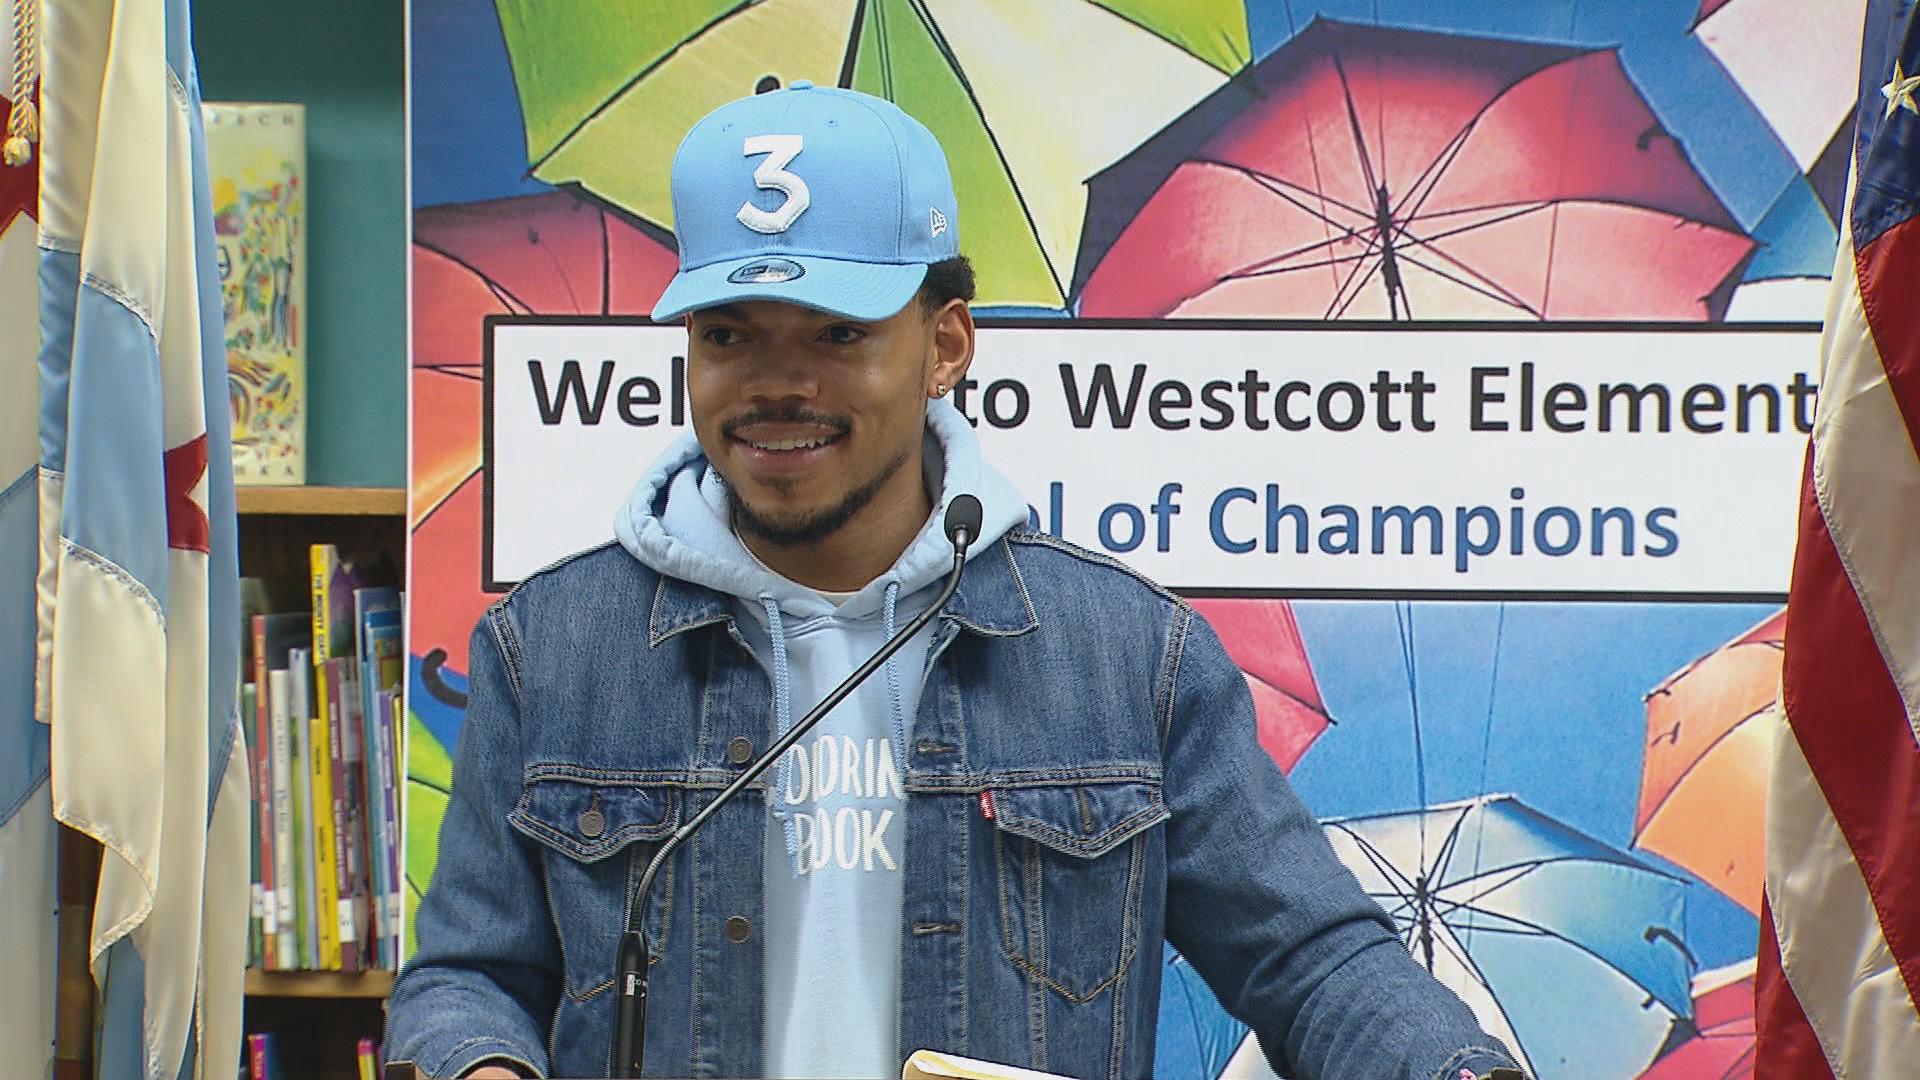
(322, 561)
(388, 707)
(263, 1056)
(325, 866)
(369, 1059)
(257, 908)
(380, 672)
(283, 847)
(307, 897)
(345, 815)
(259, 714)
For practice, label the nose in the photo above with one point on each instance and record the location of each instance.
(776, 374)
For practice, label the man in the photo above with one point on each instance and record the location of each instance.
(982, 850)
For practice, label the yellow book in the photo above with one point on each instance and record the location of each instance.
(325, 870)
(928, 1065)
(323, 558)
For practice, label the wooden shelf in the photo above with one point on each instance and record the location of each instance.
(319, 984)
(313, 499)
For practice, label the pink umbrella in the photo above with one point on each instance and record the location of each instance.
(1263, 638)
(1723, 1016)
(1368, 172)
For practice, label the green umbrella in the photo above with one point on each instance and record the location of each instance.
(1029, 97)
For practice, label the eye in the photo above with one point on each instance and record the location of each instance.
(720, 335)
(842, 334)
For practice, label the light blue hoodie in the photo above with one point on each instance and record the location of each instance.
(834, 845)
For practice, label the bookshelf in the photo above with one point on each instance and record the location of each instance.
(374, 985)
(319, 501)
(317, 1016)
(344, 60)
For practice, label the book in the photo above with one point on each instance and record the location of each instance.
(349, 814)
(285, 883)
(257, 927)
(369, 1055)
(390, 708)
(929, 1065)
(271, 637)
(324, 567)
(299, 710)
(263, 1056)
(257, 165)
(380, 670)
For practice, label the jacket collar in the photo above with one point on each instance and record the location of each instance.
(992, 601)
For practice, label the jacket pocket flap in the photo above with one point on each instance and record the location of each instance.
(1087, 820)
(590, 821)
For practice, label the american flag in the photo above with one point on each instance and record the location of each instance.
(119, 657)
(1839, 964)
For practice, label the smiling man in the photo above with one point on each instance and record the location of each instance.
(981, 850)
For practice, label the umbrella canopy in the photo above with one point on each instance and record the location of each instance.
(1801, 73)
(607, 96)
(1723, 1048)
(1703, 788)
(1263, 638)
(556, 253)
(1565, 947)
(1360, 171)
(552, 253)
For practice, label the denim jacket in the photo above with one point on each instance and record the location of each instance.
(1083, 783)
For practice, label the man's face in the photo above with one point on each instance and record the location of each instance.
(811, 417)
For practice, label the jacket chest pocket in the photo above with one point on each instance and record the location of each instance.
(598, 838)
(1071, 863)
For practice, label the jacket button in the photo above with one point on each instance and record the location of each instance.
(739, 929)
(740, 750)
(592, 824)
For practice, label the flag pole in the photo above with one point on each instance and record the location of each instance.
(79, 860)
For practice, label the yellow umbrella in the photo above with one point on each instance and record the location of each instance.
(1028, 97)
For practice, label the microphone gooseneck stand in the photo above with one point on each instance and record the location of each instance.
(630, 1006)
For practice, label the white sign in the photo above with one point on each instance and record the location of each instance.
(1318, 460)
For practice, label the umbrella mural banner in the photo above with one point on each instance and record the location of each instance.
(1454, 358)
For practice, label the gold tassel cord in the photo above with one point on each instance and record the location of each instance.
(23, 124)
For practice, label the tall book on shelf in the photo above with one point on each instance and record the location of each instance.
(257, 164)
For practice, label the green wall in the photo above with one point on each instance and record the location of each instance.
(344, 60)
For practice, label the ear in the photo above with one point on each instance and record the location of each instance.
(951, 347)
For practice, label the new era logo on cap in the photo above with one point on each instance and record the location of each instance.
(811, 195)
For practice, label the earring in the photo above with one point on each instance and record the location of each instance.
(939, 389)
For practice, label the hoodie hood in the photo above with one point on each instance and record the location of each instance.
(678, 522)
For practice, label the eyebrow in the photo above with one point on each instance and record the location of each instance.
(725, 311)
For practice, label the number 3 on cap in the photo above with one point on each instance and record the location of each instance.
(772, 175)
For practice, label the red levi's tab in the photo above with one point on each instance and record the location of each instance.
(986, 805)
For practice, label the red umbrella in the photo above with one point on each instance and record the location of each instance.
(1263, 638)
(556, 253)
(1723, 1017)
(553, 253)
(1368, 172)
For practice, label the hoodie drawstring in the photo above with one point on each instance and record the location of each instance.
(782, 719)
(889, 601)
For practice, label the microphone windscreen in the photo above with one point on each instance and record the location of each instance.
(963, 513)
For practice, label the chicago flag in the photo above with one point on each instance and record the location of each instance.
(118, 601)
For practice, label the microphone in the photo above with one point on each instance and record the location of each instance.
(630, 980)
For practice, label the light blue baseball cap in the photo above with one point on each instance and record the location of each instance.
(812, 195)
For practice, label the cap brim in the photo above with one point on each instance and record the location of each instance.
(856, 290)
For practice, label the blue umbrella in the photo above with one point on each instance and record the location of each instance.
(1567, 948)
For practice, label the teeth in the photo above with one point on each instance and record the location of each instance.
(789, 444)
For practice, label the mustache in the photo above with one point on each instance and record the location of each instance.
(787, 414)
